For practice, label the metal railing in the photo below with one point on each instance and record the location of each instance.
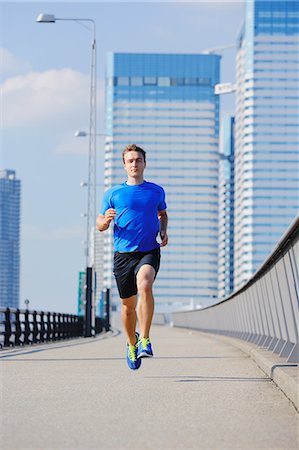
(21, 327)
(265, 310)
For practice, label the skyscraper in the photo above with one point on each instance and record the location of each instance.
(266, 124)
(10, 203)
(226, 208)
(165, 103)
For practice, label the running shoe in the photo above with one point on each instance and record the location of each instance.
(144, 349)
(132, 360)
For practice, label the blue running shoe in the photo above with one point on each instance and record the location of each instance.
(133, 362)
(144, 349)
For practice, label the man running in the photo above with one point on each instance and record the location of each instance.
(138, 209)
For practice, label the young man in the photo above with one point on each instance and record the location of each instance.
(138, 209)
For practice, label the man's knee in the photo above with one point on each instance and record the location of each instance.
(128, 305)
(145, 279)
(145, 285)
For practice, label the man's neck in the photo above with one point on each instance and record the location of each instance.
(134, 181)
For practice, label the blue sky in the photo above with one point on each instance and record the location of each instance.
(45, 99)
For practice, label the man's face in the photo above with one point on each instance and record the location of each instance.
(134, 164)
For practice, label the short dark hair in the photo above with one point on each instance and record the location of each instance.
(133, 148)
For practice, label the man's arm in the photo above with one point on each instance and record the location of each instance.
(103, 221)
(163, 218)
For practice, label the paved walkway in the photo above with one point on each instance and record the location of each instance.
(197, 393)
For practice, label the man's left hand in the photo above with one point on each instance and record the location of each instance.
(164, 239)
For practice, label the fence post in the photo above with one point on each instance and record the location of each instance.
(60, 326)
(65, 326)
(106, 300)
(80, 325)
(7, 332)
(18, 331)
(49, 327)
(42, 327)
(88, 303)
(35, 328)
(27, 330)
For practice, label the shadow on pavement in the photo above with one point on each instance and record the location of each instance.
(188, 379)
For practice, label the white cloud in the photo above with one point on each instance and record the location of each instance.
(11, 65)
(41, 97)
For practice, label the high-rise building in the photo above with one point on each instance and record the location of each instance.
(226, 208)
(266, 131)
(10, 204)
(165, 103)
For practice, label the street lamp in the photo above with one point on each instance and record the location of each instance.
(221, 88)
(81, 133)
(108, 141)
(91, 196)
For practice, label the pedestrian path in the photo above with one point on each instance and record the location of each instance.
(198, 392)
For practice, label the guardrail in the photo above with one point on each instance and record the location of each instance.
(21, 327)
(265, 310)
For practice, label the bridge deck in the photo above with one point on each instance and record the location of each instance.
(197, 393)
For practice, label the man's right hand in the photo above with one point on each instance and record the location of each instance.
(110, 215)
(103, 221)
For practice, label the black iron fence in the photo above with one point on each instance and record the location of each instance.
(21, 327)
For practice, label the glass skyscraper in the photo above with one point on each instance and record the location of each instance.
(10, 203)
(266, 131)
(226, 208)
(165, 103)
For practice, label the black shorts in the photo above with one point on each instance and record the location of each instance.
(126, 266)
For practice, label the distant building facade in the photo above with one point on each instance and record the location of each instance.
(166, 104)
(10, 211)
(266, 132)
(226, 208)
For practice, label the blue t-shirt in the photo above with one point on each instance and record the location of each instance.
(136, 224)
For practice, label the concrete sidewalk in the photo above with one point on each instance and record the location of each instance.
(197, 393)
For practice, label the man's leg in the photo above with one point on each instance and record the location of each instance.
(128, 315)
(145, 281)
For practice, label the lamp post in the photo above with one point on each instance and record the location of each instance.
(82, 133)
(98, 290)
(91, 196)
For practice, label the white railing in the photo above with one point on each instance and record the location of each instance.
(265, 310)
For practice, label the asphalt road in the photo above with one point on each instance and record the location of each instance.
(198, 392)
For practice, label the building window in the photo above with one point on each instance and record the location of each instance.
(150, 81)
(136, 81)
(190, 81)
(163, 81)
(204, 81)
(123, 81)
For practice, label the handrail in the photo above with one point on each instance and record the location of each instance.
(21, 327)
(265, 309)
(283, 242)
